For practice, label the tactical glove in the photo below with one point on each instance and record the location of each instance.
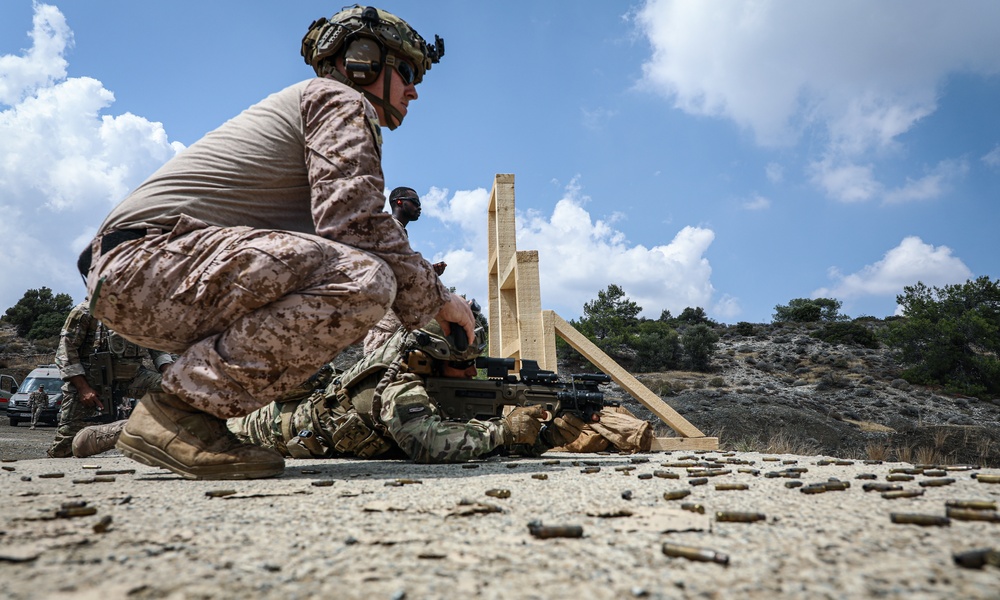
(522, 425)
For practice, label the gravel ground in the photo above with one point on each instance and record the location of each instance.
(394, 530)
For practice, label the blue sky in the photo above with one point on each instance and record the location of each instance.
(727, 155)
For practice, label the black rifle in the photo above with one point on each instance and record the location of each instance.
(466, 399)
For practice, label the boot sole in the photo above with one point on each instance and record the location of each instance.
(137, 449)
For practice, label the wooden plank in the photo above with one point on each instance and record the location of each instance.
(549, 359)
(684, 443)
(630, 384)
(529, 306)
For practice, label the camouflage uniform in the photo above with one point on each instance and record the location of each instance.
(339, 420)
(111, 365)
(37, 401)
(262, 250)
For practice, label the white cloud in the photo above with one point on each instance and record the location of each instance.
(931, 186)
(857, 73)
(578, 256)
(992, 158)
(596, 119)
(63, 164)
(775, 172)
(906, 264)
(758, 202)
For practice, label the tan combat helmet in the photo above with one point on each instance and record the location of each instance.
(369, 39)
(432, 341)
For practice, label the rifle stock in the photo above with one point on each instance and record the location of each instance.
(466, 399)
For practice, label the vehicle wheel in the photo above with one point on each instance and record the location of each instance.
(14, 422)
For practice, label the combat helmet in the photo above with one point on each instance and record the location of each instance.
(370, 39)
(432, 341)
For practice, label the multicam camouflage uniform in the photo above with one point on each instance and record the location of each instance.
(339, 420)
(112, 366)
(37, 401)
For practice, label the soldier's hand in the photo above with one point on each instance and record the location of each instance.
(522, 424)
(566, 428)
(457, 311)
(89, 397)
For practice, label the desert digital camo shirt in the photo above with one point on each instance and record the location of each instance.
(305, 159)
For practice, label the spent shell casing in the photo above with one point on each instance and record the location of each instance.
(971, 514)
(837, 486)
(8, 468)
(918, 519)
(103, 525)
(322, 483)
(935, 473)
(498, 493)
(823, 463)
(881, 487)
(973, 504)
(977, 559)
(905, 471)
(551, 462)
(814, 488)
(723, 487)
(937, 482)
(645, 475)
(693, 553)
(894, 494)
(541, 476)
(666, 474)
(866, 476)
(589, 470)
(676, 494)
(536, 529)
(81, 511)
(770, 459)
(843, 463)
(638, 460)
(748, 471)
(51, 475)
(698, 481)
(739, 517)
(693, 507)
(219, 493)
(898, 477)
(981, 478)
(793, 484)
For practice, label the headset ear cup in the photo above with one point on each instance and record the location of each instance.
(363, 61)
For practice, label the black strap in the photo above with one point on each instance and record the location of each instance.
(108, 241)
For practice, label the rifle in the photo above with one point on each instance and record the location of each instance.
(483, 399)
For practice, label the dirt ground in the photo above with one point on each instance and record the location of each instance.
(395, 530)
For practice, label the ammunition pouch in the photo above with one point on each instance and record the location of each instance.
(300, 444)
(353, 436)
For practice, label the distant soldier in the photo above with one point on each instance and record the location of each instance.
(37, 401)
(99, 368)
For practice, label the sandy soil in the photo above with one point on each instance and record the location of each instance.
(394, 530)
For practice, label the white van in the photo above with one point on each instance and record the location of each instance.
(8, 385)
(44, 375)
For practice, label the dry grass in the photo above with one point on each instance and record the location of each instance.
(778, 443)
(877, 451)
(928, 456)
(869, 426)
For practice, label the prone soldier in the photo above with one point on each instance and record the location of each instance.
(99, 369)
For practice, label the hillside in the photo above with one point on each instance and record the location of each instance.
(779, 390)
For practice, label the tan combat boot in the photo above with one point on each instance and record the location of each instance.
(96, 439)
(165, 432)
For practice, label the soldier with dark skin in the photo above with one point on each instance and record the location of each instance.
(263, 249)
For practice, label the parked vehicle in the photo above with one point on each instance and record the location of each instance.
(8, 386)
(43, 375)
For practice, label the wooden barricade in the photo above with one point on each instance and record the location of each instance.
(520, 328)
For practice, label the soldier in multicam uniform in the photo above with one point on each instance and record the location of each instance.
(99, 368)
(37, 401)
(379, 407)
(263, 249)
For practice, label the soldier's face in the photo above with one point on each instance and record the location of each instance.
(466, 373)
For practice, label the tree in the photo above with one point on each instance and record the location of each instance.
(610, 319)
(809, 310)
(694, 316)
(39, 307)
(950, 335)
(657, 347)
(699, 346)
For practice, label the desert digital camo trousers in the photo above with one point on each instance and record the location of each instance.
(251, 313)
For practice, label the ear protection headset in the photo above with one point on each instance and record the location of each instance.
(363, 60)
